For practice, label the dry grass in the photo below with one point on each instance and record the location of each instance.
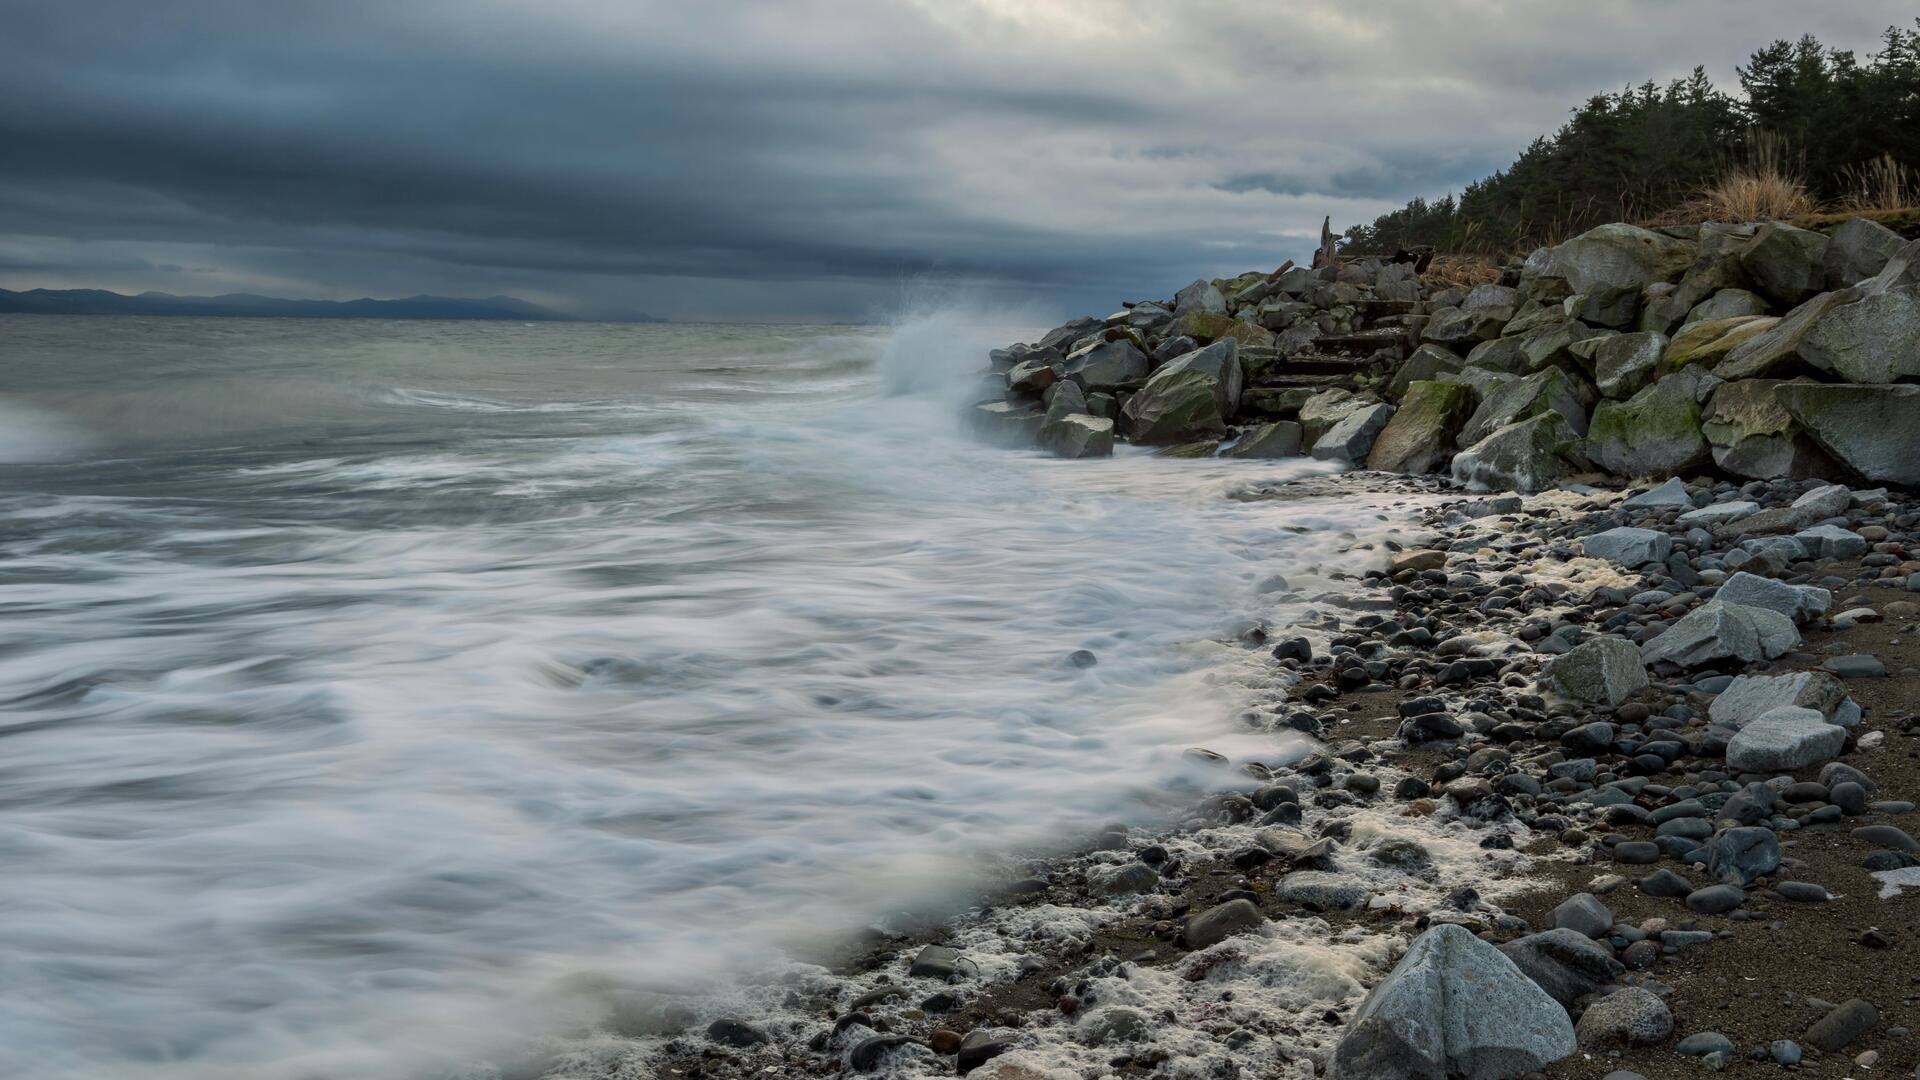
(1765, 187)
(1881, 186)
(1462, 271)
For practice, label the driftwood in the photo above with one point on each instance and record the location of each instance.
(1325, 256)
(1284, 267)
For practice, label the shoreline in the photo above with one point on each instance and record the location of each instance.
(1088, 969)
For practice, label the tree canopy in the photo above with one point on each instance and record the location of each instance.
(1647, 149)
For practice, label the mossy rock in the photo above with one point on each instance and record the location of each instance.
(1711, 341)
(1655, 433)
(1419, 438)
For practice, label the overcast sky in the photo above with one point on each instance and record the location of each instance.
(786, 159)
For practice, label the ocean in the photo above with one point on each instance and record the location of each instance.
(379, 698)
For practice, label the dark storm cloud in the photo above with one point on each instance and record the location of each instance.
(776, 159)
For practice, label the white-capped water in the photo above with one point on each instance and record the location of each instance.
(373, 691)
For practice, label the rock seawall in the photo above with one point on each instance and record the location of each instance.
(1755, 351)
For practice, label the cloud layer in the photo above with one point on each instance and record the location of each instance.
(782, 159)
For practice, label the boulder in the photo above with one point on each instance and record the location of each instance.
(1671, 495)
(1327, 408)
(1220, 362)
(1872, 430)
(1420, 436)
(1550, 390)
(1654, 433)
(1463, 328)
(1749, 697)
(1858, 250)
(1506, 355)
(1752, 434)
(1220, 922)
(1783, 740)
(1629, 546)
(1482, 381)
(1567, 964)
(1032, 376)
(1736, 856)
(1902, 269)
(1630, 1016)
(1875, 339)
(1832, 542)
(1582, 913)
(1623, 364)
(1801, 603)
(1060, 337)
(1710, 343)
(1107, 365)
(1555, 343)
(1351, 439)
(1717, 631)
(1603, 670)
(1720, 513)
(1785, 264)
(1200, 296)
(1727, 304)
(1321, 890)
(1454, 1005)
(1529, 456)
(1427, 362)
(1776, 350)
(1611, 307)
(1613, 256)
(1175, 407)
(1005, 424)
(1276, 440)
(1078, 435)
(1065, 399)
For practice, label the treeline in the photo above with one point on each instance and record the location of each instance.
(1646, 150)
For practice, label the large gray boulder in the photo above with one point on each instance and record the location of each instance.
(1902, 269)
(1875, 339)
(1654, 433)
(1220, 362)
(1006, 424)
(1529, 456)
(1749, 697)
(1107, 365)
(1625, 363)
(1327, 408)
(1349, 441)
(1511, 402)
(1420, 436)
(1801, 603)
(1872, 430)
(1784, 740)
(1859, 249)
(1567, 964)
(1606, 669)
(1727, 304)
(1426, 363)
(1201, 296)
(1785, 264)
(1276, 440)
(1776, 349)
(1752, 434)
(1454, 1005)
(1078, 435)
(1064, 335)
(1613, 257)
(1175, 407)
(1717, 631)
(1629, 546)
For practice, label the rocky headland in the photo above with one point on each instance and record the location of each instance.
(1617, 720)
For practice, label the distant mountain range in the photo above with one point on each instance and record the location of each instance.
(102, 302)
